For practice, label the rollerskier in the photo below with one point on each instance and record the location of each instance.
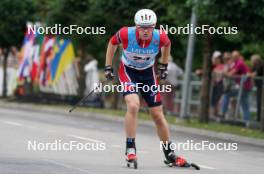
(141, 44)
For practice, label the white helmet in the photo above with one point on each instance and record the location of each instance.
(145, 17)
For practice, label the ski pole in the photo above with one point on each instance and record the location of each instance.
(84, 98)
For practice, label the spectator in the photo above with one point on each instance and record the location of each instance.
(228, 61)
(174, 71)
(12, 66)
(217, 82)
(257, 72)
(239, 69)
(229, 83)
(12, 58)
(92, 76)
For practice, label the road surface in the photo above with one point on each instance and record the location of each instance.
(18, 128)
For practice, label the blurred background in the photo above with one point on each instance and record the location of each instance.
(61, 69)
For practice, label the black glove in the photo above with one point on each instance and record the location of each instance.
(109, 72)
(163, 71)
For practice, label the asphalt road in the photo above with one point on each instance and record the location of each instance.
(19, 128)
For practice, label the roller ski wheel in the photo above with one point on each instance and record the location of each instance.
(180, 162)
(132, 163)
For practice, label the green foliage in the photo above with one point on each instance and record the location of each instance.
(247, 15)
(113, 14)
(13, 16)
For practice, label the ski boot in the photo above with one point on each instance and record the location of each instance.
(131, 157)
(177, 161)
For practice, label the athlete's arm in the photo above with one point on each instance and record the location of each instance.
(119, 38)
(111, 49)
(165, 54)
(165, 45)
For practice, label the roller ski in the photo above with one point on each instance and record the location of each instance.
(176, 161)
(131, 158)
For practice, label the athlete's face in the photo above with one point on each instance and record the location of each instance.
(145, 32)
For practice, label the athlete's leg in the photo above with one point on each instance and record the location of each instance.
(160, 122)
(127, 78)
(132, 102)
(153, 100)
(163, 132)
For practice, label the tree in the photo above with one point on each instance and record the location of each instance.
(98, 13)
(262, 107)
(244, 14)
(13, 16)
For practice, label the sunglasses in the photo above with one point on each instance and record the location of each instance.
(145, 27)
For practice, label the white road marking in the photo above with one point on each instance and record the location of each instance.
(68, 166)
(142, 151)
(32, 127)
(207, 167)
(234, 153)
(106, 129)
(84, 138)
(115, 146)
(90, 126)
(52, 131)
(12, 123)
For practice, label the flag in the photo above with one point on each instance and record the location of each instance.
(27, 52)
(36, 57)
(46, 52)
(63, 58)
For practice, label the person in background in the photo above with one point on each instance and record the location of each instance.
(239, 69)
(12, 66)
(92, 76)
(229, 83)
(12, 58)
(174, 71)
(228, 61)
(217, 71)
(217, 82)
(257, 72)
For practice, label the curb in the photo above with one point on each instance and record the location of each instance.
(107, 117)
